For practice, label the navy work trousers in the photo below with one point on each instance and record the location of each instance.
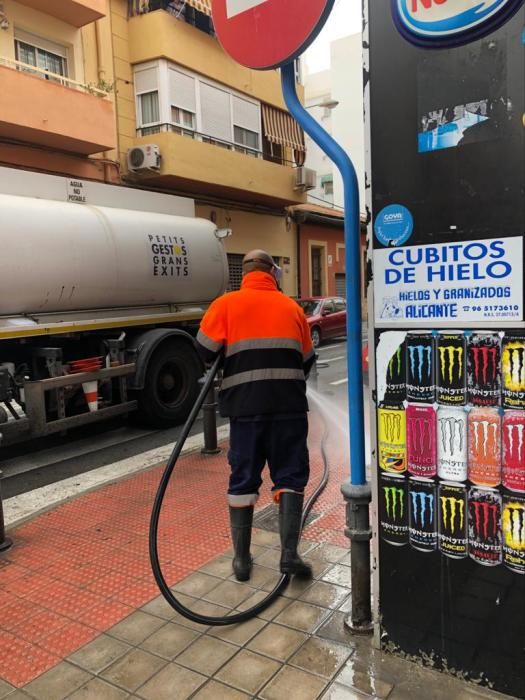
(278, 440)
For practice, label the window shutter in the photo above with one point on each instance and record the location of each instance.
(146, 80)
(215, 112)
(246, 114)
(182, 91)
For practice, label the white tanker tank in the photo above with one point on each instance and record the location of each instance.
(57, 257)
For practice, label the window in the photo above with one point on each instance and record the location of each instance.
(273, 151)
(327, 183)
(184, 119)
(340, 304)
(245, 137)
(149, 108)
(45, 59)
(329, 307)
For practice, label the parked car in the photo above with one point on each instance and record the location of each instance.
(326, 317)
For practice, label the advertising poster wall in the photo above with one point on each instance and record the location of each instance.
(446, 171)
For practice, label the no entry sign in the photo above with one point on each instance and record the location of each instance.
(264, 34)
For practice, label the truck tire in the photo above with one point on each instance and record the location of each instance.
(171, 385)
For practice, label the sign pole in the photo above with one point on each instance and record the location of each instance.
(357, 491)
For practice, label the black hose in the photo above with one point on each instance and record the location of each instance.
(155, 516)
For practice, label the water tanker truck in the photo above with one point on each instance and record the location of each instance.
(98, 306)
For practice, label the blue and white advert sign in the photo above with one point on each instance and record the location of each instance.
(470, 281)
(439, 23)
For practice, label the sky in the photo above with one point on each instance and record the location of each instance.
(345, 19)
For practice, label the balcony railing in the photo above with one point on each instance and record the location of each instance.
(54, 77)
(188, 12)
(206, 138)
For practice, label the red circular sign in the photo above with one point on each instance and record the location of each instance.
(265, 34)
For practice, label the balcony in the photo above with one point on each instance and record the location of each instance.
(51, 110)
(196, 164)
(78, 13)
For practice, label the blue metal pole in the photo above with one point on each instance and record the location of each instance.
(352, 266)
(357, 491)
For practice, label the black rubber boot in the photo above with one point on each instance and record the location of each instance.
(241, 527)
(290, 513)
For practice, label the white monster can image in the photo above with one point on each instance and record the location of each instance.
(452, 447)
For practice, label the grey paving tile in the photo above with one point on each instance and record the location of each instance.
(321, 656)
(170, 640)
(191, 604)
(297, 587)
(217, 691)
(364, 679)
(268, 613)
(97, 689)
(196, 585)
(277, 641)
(342, 692)
(159, 606)
(57, 683)
(171, 683)
(220, 567)
(269, 558)
(319, 566)
(302, 616)
(338, 574)
(99, 654)
(334, 628)
(207, 655)
(229, 593)
(266, 538)
(327, 595)
(5, 689)
(238, 634)
(331, 552)
(261, 576)
(18, 695)
(248, 671)
(133, 669)
(135, 628)
(204, 607)
(293, 684)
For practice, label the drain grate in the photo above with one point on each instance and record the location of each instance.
(268, 518)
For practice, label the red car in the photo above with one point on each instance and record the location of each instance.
(326, 317)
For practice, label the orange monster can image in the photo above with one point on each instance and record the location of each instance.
(484, 446)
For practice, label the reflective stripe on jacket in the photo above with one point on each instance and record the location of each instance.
(267, 348)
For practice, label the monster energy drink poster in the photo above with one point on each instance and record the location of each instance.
(451, 443)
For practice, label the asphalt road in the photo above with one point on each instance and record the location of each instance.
(53, 459)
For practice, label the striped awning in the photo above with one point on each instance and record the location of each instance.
(281, 128)
(201, 5)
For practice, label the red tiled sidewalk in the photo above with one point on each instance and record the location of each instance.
(78, 570)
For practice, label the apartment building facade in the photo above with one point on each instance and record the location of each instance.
(221, 131)
(57, 112)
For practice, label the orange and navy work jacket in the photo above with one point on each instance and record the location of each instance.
(267, 349)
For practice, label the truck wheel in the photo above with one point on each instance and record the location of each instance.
(171, 385)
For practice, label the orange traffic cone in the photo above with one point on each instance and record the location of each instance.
(91, 394)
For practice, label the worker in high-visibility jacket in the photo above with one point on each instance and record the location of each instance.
(268, 354)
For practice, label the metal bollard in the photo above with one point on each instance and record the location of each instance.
(314, 373)
(209, 416)
(5, 542)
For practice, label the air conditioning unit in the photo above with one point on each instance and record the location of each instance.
(142, 158)
(305, 179)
